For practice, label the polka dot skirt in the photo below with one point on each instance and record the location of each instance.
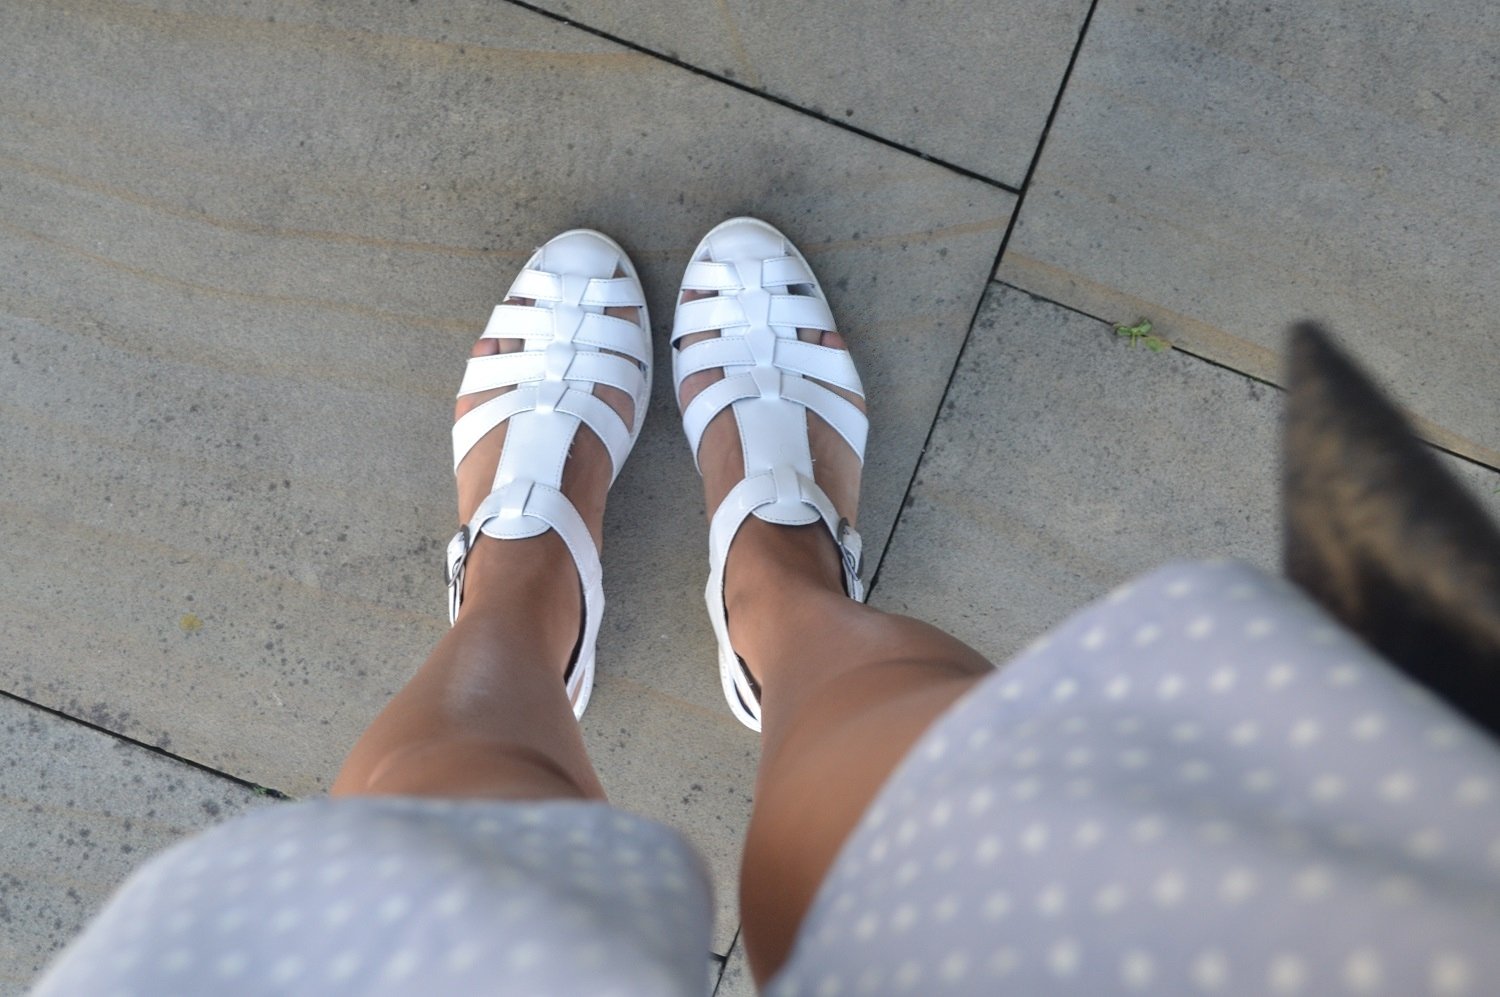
(1198, 785)
(406, 896)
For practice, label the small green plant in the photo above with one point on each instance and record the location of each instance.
(1141, 333)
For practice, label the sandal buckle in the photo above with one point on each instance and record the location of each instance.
(458, 550)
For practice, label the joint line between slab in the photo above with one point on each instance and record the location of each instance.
(116, 735)
(1036, 156)
(773, 98)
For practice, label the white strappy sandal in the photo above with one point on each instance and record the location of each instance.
(766, 292)
(566, 333)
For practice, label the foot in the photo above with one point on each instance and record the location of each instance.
(769, 564)
(534, 579)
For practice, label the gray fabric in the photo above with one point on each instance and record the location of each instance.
(405, 896)
(1199, 784)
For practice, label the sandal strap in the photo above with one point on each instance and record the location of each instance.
(772, 384)
(755, 308)
(775, 271)
(793, 355)
(603, 292)
(780, 487)
(538, 328)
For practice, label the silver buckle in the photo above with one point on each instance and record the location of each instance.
(458, 549)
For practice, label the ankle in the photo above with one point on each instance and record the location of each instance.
(776, 576)
(526, 588)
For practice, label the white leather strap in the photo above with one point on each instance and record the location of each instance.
(551, 379)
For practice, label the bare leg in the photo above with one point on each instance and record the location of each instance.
(846, 689)
(488, 714)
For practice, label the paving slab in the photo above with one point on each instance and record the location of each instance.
(247, 251)
(968, 84)
(1225, 169)
(1066, 462)
(79, 810)
(736, 980)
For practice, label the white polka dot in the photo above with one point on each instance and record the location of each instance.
(1200, 627)
(1343, 675)
(1128, 726)
(1323, 635)
(1327, 788)
(333, 873)
(1064, 689)
(1211, 971)
(389, 866)
(1304, 733)
(1195, 770)
(936, 749)
(1025, 789)
(1052, 901)
(1026, 758)
(903, 917)
(945, 909)
(1137, 971)
(1280, 675)
(285, 920)
(1170, 686)
(1088, 834)
(344, 966)
(522, 958)
(1003, 961)
(176, 960)
(908, 974)
(1063, 957)
(1169, 889)
(338, 913)
(997, 905)
(1120, 593)
(1094, 639)
(1426, 843)
(1443, 736)
(1079, 787)
(1313, 883)
(1472, 792)
(1259, 780)
(1238, 885)
(1117, 687)
(1259, 628)
(979, 737)
(1074, 725)
(1449, 974)
(231, 965)
(463, 956)
(1146, 635)
(1397, 787)
(1216, 832)
(452, 902)
(1148, 828)
(1223, 679)
(1244, 733)
(906, 833)
(230, 920)
(953, 967)
(1110, 898)
(1368, 727)
(830, 986)
(179, 921)
(286, 969)
(1287, 974)
(1179, 588)
(1012, 690)
(1034, 837)
(1362, 972)
(1077, 758)
(1186, 732)
(1242, 592)
(908, 872)
(1134, 758)
(285, 851)
(945, 860)
(981, 800)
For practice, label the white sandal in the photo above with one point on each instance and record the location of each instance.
(766, 292)
(566, 333)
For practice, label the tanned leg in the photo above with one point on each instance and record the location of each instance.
(845, 689)
(488, 714)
